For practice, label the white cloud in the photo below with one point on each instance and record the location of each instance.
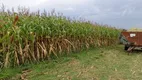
(67, 2)
(113, 12)
(26, 3)
(127, 9)
(69, 9)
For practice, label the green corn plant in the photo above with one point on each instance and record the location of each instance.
(31, 37)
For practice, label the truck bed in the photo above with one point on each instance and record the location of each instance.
(134, 38)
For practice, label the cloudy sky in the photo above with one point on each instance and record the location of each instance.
(118, 13)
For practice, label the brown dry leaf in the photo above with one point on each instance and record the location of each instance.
(92, 67)
(46, 73)
(79, 74)
(59, 75)
(23, 76)
(26, 71)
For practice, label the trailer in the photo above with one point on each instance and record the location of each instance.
(131, 40)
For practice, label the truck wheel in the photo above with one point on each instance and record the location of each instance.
(126, 47)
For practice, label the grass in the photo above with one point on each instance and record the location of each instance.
(106, 63)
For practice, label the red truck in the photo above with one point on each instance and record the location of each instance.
(131, 40)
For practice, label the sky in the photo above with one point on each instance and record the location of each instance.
(119, 13)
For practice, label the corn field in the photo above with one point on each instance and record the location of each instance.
(31, 37)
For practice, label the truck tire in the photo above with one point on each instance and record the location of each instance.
(126, 47)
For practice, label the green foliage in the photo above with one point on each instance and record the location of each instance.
(29, 37)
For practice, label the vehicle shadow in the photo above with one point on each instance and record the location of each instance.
(136, 51)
